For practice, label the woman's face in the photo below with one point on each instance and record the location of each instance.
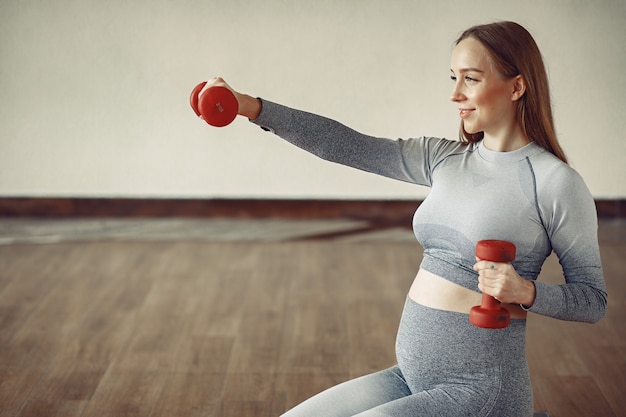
(485, 99)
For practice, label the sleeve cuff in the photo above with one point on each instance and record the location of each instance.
(548, 299)
(528, 308)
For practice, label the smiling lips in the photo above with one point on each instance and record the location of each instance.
(464, 113)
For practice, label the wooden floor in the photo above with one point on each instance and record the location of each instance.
(176, 327)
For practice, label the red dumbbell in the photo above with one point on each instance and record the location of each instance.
(217, 105)
(490, 313)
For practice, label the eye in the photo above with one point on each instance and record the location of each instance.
(453, 77)
(470, 79)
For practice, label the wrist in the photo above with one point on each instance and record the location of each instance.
(249, 106)
(529, 295)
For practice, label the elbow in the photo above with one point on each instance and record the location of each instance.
(599, 309)
(601, 313)
(595, 317)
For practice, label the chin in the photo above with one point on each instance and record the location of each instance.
(471, 130)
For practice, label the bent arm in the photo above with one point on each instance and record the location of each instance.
(571, 221)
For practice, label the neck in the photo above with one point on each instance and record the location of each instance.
(506, 142)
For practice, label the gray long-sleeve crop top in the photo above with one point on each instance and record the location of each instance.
(527, 196)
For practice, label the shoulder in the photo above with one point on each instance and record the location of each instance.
(561, 190)
(555, 176)
(435, 149)
(420, 156)
(445, 146)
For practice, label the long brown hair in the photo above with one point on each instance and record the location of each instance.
(513, 51)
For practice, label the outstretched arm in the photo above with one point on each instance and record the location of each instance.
(405, 160)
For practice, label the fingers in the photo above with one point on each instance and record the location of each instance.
(208, 84)
(501, 281)
(215, 81)
(493, 274)
(482, 265)
(494, 288)
(492, 277)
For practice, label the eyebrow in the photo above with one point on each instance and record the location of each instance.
(462, 70)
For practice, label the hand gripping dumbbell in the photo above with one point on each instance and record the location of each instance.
(217, 105)
(490, 313)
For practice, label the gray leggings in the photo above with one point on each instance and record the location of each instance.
(446, 367)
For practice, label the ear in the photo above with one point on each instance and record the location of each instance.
(519, 87)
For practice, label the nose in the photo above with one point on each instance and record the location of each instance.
(457, 93)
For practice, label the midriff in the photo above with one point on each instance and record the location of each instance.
(433, 291)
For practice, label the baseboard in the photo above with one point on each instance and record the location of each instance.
(376, 211)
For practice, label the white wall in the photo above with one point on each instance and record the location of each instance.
(94, 94)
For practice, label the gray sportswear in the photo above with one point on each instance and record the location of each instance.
(527, 196)
(446, 366)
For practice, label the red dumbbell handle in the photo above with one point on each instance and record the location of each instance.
(490, 313)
